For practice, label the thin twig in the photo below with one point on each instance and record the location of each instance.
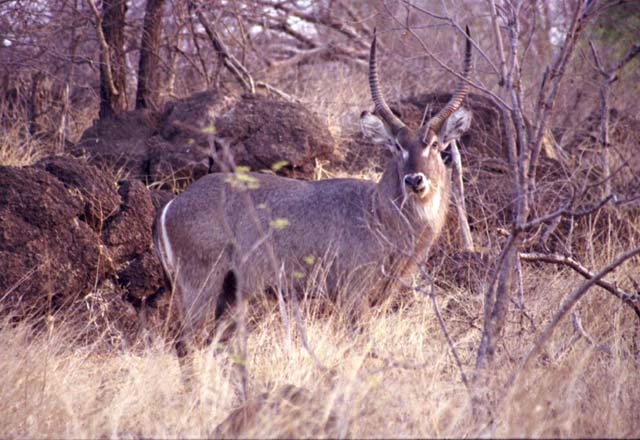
(458, 197)
(456, 25)
(303, 333)
(564, 310)
(577, 325)
(442, 64)
(631, 300)
(229, 61)
(104, 49)
(564, 211)
(443, 327)
(276, 91)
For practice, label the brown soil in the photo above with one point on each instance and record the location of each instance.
(177, 146)
(71, 239)
(262, 132)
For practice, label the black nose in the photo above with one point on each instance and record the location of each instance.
(415, 181)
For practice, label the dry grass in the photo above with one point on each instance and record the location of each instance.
(53, 388)
(337, 92)
(24, 142)
(17, 148)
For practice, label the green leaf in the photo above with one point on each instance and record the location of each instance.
(209, 130)
(279, 165)
(279, 223)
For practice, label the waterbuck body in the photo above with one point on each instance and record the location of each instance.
(240, 233)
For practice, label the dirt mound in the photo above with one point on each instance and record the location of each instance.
(94, 191)
(171, 147)
(262, 132)
(66, 230)
(190, 120)
(175, 147)
(49, 255)
(174, 166)
(119, 142)
(128, 238)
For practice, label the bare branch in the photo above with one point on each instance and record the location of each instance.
(457, 26)
(551, 82)
(564, 211)
(633, 52)
(322, 19)
(628, 200)
(442, 64)
(104, 49)
(276, 91)
(229, 61)
(499, 43)
(454, 352)
(628, 298)
(577, 325)
(327, 51)
(565, 309)
(609, 77)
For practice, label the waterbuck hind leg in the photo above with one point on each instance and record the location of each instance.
(204, 314)
(185, 352)
(227, 297)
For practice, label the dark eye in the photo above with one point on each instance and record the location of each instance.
(432, 144)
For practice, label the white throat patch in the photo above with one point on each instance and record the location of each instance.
(429, 211)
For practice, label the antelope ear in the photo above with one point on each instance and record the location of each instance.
(374, 129)
(455, 126)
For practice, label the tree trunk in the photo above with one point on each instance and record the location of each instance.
(148, 93)
(113, 100)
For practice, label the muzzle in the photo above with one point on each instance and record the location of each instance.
(417, 182)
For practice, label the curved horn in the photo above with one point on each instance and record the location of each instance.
(461, 91)
(381, 105)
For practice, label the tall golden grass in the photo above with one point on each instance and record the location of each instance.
(18, 148)
(395, 377)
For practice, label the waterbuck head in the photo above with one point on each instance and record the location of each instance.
(417, 171)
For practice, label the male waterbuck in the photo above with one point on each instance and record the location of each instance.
(241, 233)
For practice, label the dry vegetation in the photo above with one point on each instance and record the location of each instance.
(17, 150)
(392, 376)
(395, 378)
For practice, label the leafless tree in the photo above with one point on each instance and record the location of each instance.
(110, 24)
(149, 88)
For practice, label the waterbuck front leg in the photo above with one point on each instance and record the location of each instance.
(458, 198)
